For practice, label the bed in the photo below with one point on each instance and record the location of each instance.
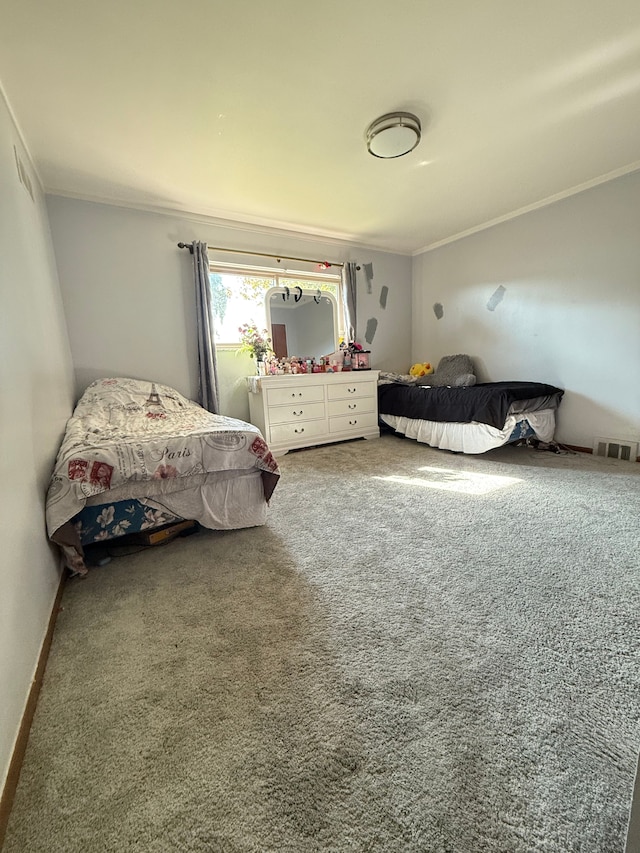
(137, 456)
(451, 411)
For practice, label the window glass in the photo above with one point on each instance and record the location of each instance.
(238, 297)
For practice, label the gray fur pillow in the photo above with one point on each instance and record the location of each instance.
(436, 381)
(455, 370)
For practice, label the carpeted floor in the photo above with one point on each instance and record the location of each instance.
(421, 651)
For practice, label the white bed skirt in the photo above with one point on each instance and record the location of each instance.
(224, 504)
(472, 437)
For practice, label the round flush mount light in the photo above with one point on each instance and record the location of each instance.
(393, 135)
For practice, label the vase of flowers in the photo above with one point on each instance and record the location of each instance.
(257, 343)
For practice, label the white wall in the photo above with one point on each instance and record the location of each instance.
(36, 382)
(129, 302)
(570, 312)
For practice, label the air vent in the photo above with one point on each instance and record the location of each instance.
(616, 448)
(25, 180)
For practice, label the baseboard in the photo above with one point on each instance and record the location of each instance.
(578, 449)
(15, 765)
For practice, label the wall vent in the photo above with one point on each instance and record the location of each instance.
(616, 448)
(25, 180)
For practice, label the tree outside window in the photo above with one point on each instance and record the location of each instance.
(238, 298)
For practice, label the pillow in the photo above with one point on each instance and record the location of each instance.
(435, 381)
(455, 370)
(451, 366)
(466, 379)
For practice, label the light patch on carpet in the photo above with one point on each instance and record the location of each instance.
(465, 482)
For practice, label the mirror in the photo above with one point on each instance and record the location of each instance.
(302, 323)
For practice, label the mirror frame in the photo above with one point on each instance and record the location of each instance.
(312, 293)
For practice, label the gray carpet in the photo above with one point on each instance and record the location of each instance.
(421, 651)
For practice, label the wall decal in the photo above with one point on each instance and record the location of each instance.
(368, 271)
(496, 298)
(384, 292)
(438, 310)
(372, 326)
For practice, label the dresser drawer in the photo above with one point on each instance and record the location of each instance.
(295, 394)
(293, 412)
(351, 390)
(303, 432)
(350, 407)
(296, 412)
(353, 423)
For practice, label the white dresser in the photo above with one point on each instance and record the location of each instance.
(316, 408)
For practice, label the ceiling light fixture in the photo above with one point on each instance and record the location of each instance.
(393, 135)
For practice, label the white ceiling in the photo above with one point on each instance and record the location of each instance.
(256, 110)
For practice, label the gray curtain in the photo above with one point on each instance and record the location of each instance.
(207, 360)
(349, 299)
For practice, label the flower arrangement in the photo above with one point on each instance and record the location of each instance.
(257, 343)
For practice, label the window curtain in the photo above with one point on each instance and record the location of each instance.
(207, 359)
(349, 299)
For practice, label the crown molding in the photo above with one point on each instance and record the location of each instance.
(253, 226)
(587, 185)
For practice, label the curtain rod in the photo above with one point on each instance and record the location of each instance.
(324, 264)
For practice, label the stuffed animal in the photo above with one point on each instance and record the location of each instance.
(421, 369)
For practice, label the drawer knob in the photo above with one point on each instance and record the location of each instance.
(297, 414)
(353, 405)
(299, 394)
(299, 430)
(353, 423)
(351, 390)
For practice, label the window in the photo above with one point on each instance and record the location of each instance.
(239, 296)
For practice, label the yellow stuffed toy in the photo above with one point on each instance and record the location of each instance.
(421, 369)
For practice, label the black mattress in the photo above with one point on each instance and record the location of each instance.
(487, 402)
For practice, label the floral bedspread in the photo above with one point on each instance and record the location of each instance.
(138, 435)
